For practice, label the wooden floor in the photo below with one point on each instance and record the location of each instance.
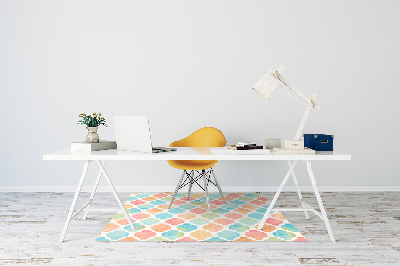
(366, 226)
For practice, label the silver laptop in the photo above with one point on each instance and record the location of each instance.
(133, 134)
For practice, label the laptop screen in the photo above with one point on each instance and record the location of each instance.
(132, 133)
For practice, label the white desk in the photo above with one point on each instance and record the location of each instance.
(194, 154)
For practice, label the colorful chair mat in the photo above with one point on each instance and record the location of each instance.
(188, 220)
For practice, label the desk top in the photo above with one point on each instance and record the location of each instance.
(186, 153)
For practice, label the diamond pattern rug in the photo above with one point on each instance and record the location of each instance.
(188, 220)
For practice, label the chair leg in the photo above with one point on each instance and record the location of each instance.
(176, 189)
(190, 184)
(218, 186)
(206, 191)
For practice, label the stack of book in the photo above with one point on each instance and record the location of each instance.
(98, 146)
(240, 148)
(245, 146)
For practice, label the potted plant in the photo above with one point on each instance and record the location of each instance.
(92, 123)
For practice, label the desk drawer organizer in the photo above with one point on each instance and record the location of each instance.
(318, 142)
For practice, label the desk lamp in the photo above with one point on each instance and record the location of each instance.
(266, 86)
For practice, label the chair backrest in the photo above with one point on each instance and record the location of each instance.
(204, 137)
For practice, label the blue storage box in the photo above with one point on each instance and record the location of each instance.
(318, 142)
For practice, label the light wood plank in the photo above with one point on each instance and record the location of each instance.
(366, 227)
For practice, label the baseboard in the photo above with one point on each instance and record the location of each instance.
(195, 189)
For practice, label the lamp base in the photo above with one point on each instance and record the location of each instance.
(293, 151)
(294, 144)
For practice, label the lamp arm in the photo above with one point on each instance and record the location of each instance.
(311, 102)
(293, 88)
(305, 117)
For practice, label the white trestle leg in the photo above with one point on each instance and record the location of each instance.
(299, 192)
(305, 206)
(271, 205)
(93, 192)
(321, 205)
(71, 210)
(116, 195)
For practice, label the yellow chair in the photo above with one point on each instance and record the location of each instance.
(204, 137)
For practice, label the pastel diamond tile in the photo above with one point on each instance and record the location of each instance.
(160, 227)
(199, 221)
(150, 221)
(238, 227)
(228, 234)
(189, 220)
(175, 221)
(187, 216)
(186, 227)
(164, 216)
(173, 234)
(211, 227)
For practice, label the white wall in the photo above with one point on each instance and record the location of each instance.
(189, 64)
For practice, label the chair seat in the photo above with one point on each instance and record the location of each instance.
(192, 164)
(204, 137)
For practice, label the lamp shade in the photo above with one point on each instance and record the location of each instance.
(266, 86)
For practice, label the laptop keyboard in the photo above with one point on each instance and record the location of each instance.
(162, 149)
